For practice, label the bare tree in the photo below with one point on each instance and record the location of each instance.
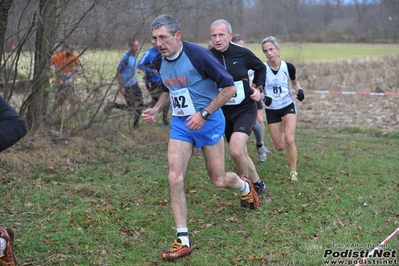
(390, 19)
(4, 11)
(35, 105)
(36, 25)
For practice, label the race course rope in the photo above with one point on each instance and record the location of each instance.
(364, 93)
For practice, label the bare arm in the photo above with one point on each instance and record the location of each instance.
(119, 79)
(150, 114)
(222, 98)
(295, 85)
(197, 121)
(163, 102)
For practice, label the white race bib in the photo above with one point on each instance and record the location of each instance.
(182, 105)
(239, 96)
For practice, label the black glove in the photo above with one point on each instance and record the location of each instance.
(300, 95)
(267, 100)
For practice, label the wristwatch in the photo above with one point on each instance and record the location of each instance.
(205, 114)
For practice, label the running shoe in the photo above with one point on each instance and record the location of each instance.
(177, 251)
(251, 198)
(8, 259)
(262, 153)
(259, 187)
(294, 177)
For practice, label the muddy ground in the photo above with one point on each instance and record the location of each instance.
(366, 75)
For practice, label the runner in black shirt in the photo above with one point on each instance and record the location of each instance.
(241, 111)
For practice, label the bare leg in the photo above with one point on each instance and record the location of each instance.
(215, 164)
(179, 154)
(289, 138)
(239, 153)
(283, 135)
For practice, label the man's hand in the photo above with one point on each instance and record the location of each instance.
(300, 95)
(195, 121)
(149, 115)
(255, 95)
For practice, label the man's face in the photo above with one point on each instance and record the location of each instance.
(167, 44)
(134, 47)
(68, 50)
(220, 37)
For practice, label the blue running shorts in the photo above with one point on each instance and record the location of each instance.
(208, 135)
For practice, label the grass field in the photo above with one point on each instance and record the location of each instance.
(105, 201)
(101, 64)
(102, 198)
(106, 61)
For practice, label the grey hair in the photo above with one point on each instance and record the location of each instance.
(171, 23)
(222, 21)
(237, 37)
(272, 40)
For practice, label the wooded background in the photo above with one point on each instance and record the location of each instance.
(37, 25)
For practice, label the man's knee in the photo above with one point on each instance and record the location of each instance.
(175, 179)
(236, 152)
(218, 181)
(279, 145)
(289, 141)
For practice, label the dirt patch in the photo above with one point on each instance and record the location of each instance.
(366, 75)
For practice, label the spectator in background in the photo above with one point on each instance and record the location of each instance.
(152, 79)
(12, 129)
(259, 127)
(280, 108)
(127, 81)
(66, 63)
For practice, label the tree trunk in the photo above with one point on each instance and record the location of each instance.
(45, 39)
(5, 6)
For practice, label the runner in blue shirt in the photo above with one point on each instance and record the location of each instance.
(127, 81)
(191, 78)
(152, 79)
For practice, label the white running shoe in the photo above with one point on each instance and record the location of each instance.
(262, 153)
